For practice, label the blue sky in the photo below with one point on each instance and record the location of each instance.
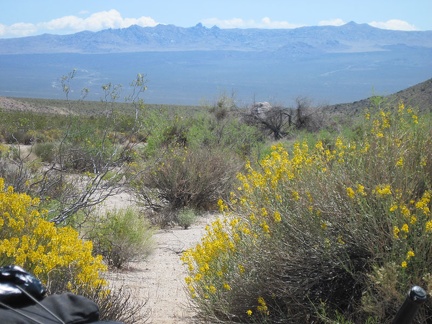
(32, 17)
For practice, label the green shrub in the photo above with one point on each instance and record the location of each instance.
(228, 132)
(46, 151)
(194, 178)
(120, 236)
(186, 217)
(157, 124)
(86, 150)
(219, 127)
(20, 137)
(334, 232)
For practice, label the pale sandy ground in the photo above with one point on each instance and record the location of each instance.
(160, 278)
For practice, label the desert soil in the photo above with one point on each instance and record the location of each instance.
(159, 279)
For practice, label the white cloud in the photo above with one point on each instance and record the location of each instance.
(97, 21)
(332, 22)
(229, 23)
(268, 23)
(18, 30)
(67, 22)
(71, 24)
(265, 22)
(393, 24)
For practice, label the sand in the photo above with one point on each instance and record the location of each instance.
(159, 279)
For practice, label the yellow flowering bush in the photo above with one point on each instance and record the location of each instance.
(55, 255)
(321, 231)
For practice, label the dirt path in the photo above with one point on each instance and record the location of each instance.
(160, 278)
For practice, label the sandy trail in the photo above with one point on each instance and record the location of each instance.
(160, 278)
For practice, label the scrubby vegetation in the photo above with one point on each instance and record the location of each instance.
(55, 254)
(323, 231)
(58, 256)
(120, 236)
(177, 160)
(326, 219)
(186, 217)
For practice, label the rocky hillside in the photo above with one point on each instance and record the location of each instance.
(418, 96)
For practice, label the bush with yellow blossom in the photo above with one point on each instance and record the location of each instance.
(325, 232)
(55, 255)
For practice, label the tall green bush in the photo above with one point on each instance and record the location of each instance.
(46, 151)
(120, 236)
(337, 231)
(229, 133)
(186, 217)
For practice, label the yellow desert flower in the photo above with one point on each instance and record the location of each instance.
(405, 228)
(350, 192)
(396, 231)
(277, 217)
(428, 226)
(410, 254)
(40, 247)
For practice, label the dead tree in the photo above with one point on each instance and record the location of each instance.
(278, 122)
(275, 121)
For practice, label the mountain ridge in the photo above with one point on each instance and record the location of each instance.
(351, 37)
(418, 96)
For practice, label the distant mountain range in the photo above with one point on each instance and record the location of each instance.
(349, 38)
(190, 65)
